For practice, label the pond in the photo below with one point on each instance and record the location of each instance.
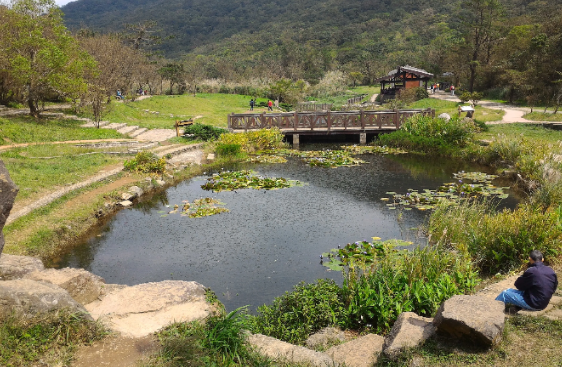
(269, 241)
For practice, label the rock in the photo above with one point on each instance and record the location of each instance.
(128, 196)
(409, 330)
(136, 190)
(211, 157)
(160, 182)
(15, 267)
(281, 351)
(444, 116)
(472, 318)
(125, 203)
(361, 352)
(82, 285)
(145, 308)
(8, 192)
(26, 298)
(325, 338)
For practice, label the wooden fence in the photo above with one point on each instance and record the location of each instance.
(322, 122)
(356, 99)
(313, 106)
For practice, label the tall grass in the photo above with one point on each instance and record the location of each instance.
(498, 241)
(45, 339)
(430, 135)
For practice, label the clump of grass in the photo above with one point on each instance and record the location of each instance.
(295, 315)
(49, 337)
(146, 162)
(430, 135)
(498, 241)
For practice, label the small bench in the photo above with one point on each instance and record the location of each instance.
(182, 123)
(468, 109)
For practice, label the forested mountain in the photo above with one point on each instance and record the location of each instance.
(486, 43)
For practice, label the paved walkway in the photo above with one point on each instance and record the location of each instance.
(513, 114)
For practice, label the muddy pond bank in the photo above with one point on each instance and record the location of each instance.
(270, 240)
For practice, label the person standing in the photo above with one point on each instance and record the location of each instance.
(252, 103)
(269, 105)
(452, 90)
(534, 288)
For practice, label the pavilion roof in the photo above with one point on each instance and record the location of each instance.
(408, 69)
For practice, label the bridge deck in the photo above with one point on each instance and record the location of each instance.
(325, 122)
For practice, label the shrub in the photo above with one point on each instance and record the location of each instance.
(251, 141)
(295, 315)
(204, 132)
(411, 95)
(146, 162)
(465, 96)
(498, 241)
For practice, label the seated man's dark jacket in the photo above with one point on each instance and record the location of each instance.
(539, 282)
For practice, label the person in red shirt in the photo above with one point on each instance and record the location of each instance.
(269, 105)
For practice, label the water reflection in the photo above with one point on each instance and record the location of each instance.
(270, 240)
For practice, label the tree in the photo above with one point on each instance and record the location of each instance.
(44, 60)
(175, 74)
(355, 76)
(480, 34)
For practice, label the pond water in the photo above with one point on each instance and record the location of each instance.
(270, 240)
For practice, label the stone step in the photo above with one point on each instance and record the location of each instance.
(91, 123)
(175, 150)
(137, 132)
(115, 126)
(164, 147)
(156, 135)
(142, 147)
(127, 129)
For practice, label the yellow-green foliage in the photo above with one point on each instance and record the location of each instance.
(252, 141)
(498, 241)
(146, 162)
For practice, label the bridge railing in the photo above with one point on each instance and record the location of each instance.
(325, 120)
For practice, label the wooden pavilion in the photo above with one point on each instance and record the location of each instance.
(403, 77)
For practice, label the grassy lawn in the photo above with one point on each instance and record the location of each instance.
(541, 116)
(23, 129)
(35, 176)
(481, 114)
(514, 131)
(214, 109)
(351, 92)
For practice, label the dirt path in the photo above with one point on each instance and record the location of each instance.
(116, 351)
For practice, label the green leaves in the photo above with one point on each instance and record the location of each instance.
(229, 181)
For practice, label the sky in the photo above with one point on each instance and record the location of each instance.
(62, 2)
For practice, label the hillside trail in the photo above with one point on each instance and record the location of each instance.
(513, 114)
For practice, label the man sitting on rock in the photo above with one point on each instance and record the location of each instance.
(534, 288)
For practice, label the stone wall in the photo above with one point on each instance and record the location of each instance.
(8, 192)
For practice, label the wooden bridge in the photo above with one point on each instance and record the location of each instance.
(325, 122)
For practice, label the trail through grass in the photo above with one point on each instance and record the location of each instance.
(481, 114)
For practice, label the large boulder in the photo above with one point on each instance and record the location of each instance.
(361, 352)
(82, 285)
(475, 319)
(281, 351)
(444, 116)
(409, 330)
(8, 192)
(325, 338)
(15, 267)
(145, 308)
(26, 298)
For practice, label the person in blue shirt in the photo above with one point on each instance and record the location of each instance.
(534, 288)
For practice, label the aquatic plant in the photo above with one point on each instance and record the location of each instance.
(327, 158)
(203, 207)
(361, 254)
(266, 158)
(228, 181)
(368, 149)
(146, 162)
(253, 141)
(469, 185)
